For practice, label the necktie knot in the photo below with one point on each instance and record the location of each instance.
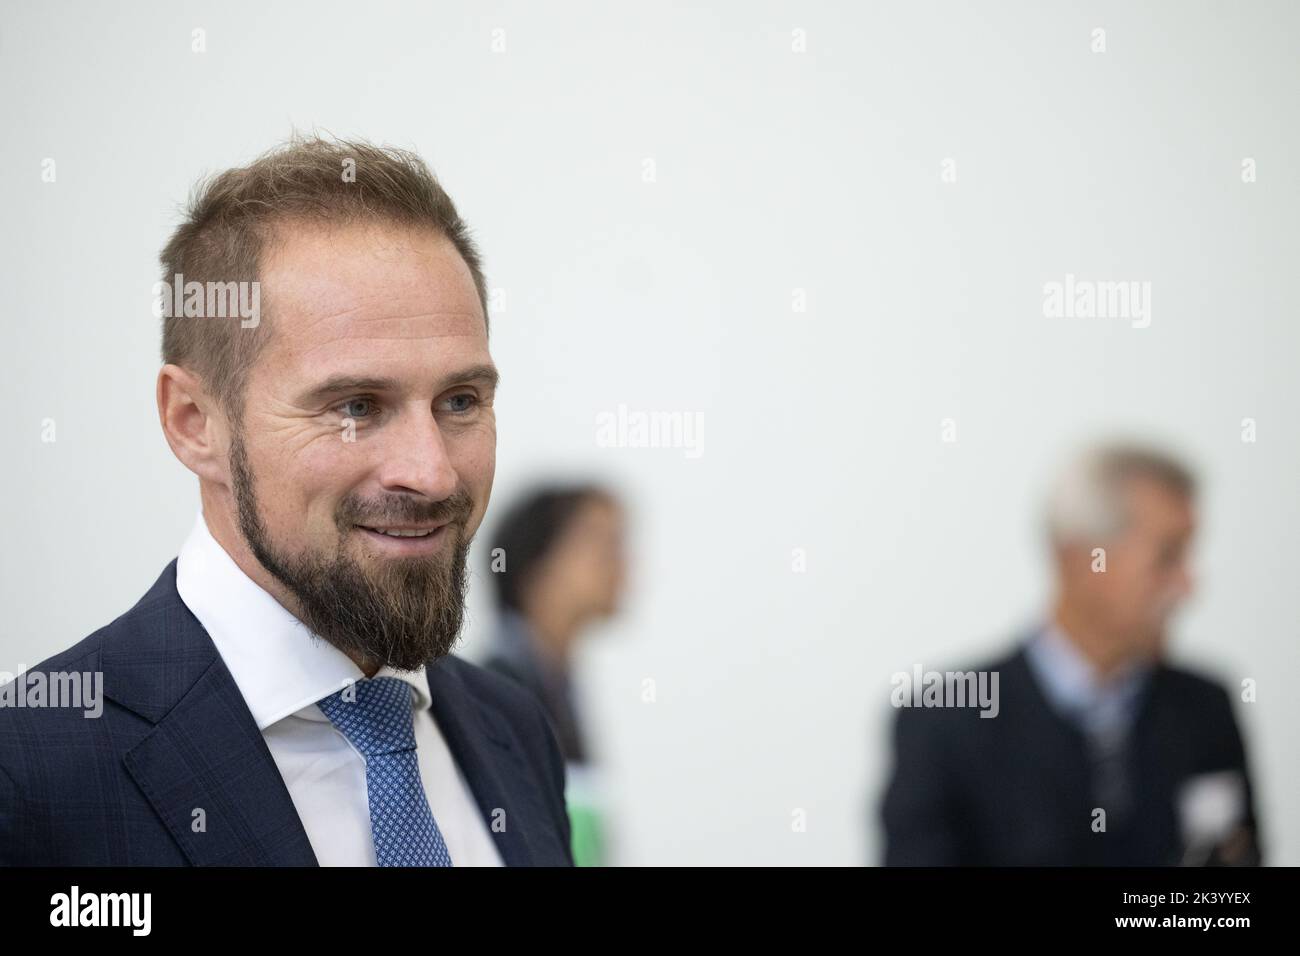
(374, 715)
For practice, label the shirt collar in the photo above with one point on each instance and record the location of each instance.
(280, 667)
(1072, 683)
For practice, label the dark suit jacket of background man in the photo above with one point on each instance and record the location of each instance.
(1014, 789)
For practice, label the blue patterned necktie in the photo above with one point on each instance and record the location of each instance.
(379, 722)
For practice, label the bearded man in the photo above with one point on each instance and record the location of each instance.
(285, 693)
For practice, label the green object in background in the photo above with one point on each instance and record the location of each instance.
(586, 820)
(588, 840)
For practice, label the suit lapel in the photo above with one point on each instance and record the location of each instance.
(204, 768)
(1050, 742)
(488, 755)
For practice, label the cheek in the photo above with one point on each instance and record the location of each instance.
(300, 493)
(607, 587)
(600, 575)
(475, 460)
(1139, 594)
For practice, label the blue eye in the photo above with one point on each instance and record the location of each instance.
(470, 399)
(349, 408)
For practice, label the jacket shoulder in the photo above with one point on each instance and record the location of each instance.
(1193, 684)
(102, 654)
(496, 688)
(156, 602)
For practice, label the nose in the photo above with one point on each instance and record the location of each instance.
(416, 460)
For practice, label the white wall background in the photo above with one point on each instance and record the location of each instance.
(776, 171)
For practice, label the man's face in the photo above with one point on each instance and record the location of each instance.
(368, 414)
(1148, 572)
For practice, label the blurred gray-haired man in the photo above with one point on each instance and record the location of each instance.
(1101, 753)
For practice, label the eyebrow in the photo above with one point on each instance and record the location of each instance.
(485, 375)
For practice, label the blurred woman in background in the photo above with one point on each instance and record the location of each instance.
(558, 564)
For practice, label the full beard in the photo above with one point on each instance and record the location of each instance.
(402, 613)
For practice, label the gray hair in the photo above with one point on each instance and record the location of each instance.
(1086, 502)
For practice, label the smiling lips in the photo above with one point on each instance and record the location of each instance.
(404, 532)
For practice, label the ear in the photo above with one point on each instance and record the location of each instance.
(195, 429)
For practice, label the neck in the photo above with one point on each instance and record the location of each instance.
(1105, 654)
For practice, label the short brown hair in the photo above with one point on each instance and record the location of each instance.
(231, 215)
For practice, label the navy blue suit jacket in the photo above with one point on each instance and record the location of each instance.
(175, 735)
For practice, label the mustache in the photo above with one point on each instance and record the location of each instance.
(455, 509)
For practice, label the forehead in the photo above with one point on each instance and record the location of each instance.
(601, 509)
(598, 515)
(340, 294)
(1159, 506)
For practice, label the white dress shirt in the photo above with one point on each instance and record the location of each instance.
(282, 670)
